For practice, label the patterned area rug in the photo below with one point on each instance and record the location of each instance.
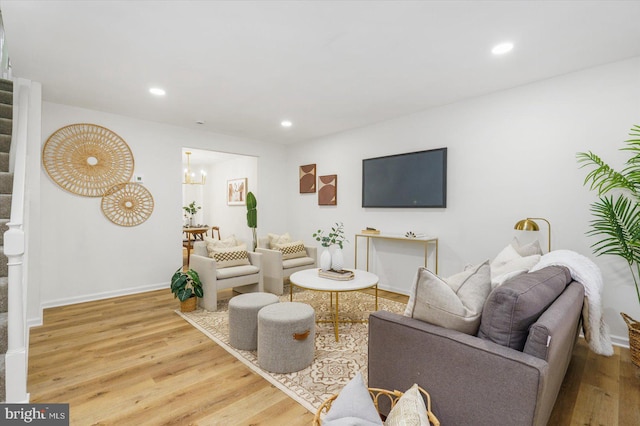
(335, 363)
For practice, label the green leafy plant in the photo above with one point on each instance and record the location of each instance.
(191, 209)
(252, 217)
(186, 284)
(617, 216)
(336, 236)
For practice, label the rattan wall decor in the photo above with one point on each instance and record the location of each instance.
(87, 159)
(127, 204)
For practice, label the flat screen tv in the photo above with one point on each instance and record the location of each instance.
(414, 179)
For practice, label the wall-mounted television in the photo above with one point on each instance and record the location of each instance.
(414, 179)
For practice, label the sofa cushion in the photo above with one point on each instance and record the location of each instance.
(291, 250)
(230, 256)
(353, 406)
(455, 302)
(515, 305)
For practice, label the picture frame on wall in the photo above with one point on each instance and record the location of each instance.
(237, 192)
(308, 179)
(328, 190)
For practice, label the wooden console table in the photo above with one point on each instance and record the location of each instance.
(424, 240)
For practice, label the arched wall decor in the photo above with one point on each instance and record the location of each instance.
(87, 159)
(127, 204)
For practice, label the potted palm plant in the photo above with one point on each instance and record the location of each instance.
(252, 217)
(617, 216)
(186, 287)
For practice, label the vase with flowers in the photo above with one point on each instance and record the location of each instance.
(335, 237)
(190, 211)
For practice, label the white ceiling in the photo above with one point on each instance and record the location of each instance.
(328, 66)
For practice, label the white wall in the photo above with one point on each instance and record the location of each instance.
(85, 256)
(511, 155)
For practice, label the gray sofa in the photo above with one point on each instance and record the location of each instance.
(472, 380)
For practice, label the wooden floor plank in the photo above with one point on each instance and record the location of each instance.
(133, 360)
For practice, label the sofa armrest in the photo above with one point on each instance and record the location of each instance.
(462, 373)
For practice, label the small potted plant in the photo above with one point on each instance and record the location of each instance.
(186, 286)
(335, 237)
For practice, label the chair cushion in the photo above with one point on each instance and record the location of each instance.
(231, 256)
(455, 303)
(296, 262)
(236, 271)
(291, 250)
(518, 303)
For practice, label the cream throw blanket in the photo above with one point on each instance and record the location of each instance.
(584, 271)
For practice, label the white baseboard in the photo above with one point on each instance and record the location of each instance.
(104, 295)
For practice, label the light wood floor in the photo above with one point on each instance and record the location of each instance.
(132, 361)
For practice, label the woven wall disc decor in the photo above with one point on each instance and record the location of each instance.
(127, 204)
(87, 159)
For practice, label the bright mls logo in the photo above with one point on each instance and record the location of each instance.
(35, 414)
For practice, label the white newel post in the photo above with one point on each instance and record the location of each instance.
(16, 357)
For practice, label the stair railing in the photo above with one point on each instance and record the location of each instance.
(14, 246)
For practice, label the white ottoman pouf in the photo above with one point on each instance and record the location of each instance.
(243, 318)
(286, 337)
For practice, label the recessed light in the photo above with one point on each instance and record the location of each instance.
(502, 48)
(286, 123)
(157, 91)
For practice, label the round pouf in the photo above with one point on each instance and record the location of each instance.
(286, 337)
(243, 318)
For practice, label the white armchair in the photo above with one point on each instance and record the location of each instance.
(276, 269)
(243, 278)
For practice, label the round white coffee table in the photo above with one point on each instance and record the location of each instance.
(310, 280)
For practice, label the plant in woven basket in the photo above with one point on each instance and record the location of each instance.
(186, 284)
(617, 217)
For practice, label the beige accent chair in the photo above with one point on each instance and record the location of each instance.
(243, 278)
(276, 270)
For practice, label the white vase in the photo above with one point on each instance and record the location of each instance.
(325, 260)
(337, 260)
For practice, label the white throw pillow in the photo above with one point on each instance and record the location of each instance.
(278, 239)
(227, 242)
(409, 410)
(353, 406)
(455, 303)
(526, 249)
(509, 263)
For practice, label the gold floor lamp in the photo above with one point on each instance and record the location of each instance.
(529, 224)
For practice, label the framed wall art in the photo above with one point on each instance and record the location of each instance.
(237, 192)
(328, 190)
(308, 179)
